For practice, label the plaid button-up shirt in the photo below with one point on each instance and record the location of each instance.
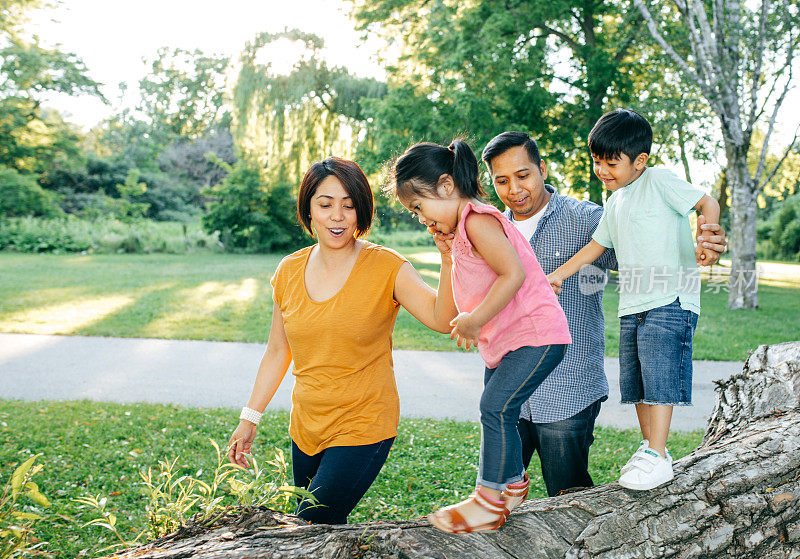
(579, 380)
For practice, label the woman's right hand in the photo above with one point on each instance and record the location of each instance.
(240, 443)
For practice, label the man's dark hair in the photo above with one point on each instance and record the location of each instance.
(621, 131)
(353, 180)
(507, 140)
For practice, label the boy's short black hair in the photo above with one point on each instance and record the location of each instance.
(621, 131)
(507, 140)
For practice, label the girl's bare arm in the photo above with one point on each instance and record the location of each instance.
(489, 240)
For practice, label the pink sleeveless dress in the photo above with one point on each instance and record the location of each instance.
(532, 318)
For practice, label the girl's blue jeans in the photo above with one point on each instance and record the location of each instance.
(506, 388)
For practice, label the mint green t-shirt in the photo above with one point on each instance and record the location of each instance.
(647, 225)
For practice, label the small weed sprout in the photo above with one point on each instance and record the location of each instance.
(174, 500)
(17, 519)
(106, 519)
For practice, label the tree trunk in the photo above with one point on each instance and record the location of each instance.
(722, 200)
(684, 158)
(743, 281)
(737, 495)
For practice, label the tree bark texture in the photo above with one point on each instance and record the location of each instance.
(737, 495)
(743, 283)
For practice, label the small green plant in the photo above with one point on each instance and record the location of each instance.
(106, 519)
(16, 520)
(267, 488)
(175, 500)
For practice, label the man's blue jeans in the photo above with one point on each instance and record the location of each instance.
(563, 448)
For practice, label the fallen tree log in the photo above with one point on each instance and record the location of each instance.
(737, 495)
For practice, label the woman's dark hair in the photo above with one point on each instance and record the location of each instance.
(621, 131)
(417, 171)
(507, 140)
(353, 180)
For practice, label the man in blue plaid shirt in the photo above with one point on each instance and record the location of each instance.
(558, 419)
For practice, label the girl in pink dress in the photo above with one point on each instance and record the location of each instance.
(506, 308)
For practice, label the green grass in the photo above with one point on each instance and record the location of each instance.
(228, 297)
(98, 449)
(725, 335)
(196, 296)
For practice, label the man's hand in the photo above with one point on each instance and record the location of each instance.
(711, 242)
(705, 256)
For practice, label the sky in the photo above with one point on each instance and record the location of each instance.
(113, 37)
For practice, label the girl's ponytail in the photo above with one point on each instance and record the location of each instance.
(465, 169)
(417, 171)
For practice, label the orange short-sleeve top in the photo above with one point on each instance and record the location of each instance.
(344, 391)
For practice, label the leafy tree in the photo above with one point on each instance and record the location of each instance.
(248, 215)
(183, 99)
(21, 195)
(743, 55)
(132, 140)
(288, 121)
(683, 125)
(188, 160)
(32, 138)
(14, 13)
(182, 116)
(184, 92)
(550, 68)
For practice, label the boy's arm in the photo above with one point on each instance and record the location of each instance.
(584, 256)
(709, 209)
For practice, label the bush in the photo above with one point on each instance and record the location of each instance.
(43, 235)
(249, 216)
(409, 238)
(21, 195)
(784, 230)
(111, 187)
(71, 235)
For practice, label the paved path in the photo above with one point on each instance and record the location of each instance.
(220, 374)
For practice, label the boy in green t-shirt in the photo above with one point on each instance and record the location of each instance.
(645, 220)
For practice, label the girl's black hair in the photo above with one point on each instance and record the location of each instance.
(417, 171)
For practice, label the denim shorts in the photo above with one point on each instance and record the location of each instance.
(655, 356)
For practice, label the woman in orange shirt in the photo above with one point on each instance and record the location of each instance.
(335, 305)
